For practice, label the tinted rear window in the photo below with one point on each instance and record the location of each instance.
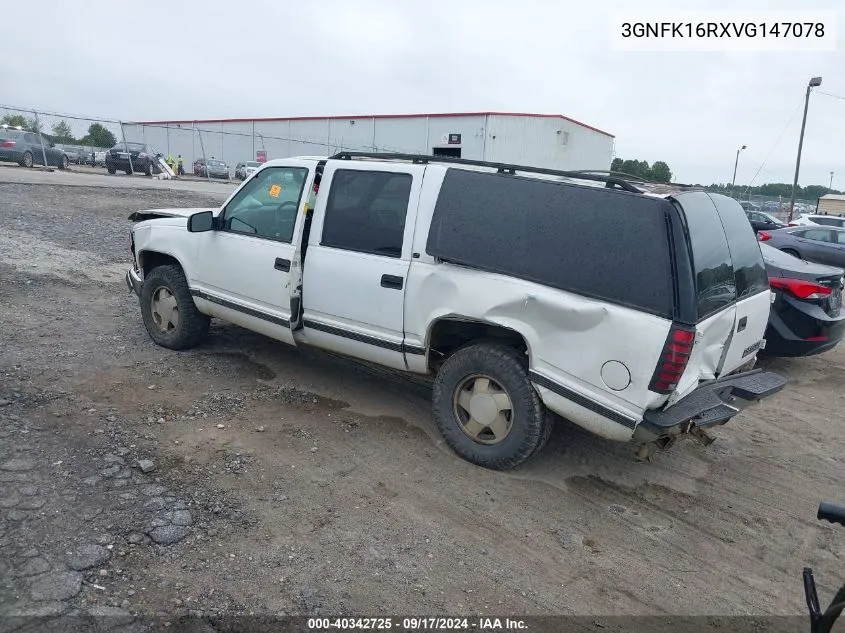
(599, 243)
(714, 276)
(749, 269)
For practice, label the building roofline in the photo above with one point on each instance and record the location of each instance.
(375, 116)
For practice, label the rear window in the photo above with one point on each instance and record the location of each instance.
(749, 269)
(599, 243)
(711, 257)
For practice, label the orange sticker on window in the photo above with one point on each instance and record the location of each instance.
(275, 190)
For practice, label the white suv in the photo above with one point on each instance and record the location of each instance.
(811, 219)
(519, 289)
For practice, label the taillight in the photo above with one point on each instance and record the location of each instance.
(763, 236)
(673, 359)
(800, 288)
(8, 143)
(792, 224)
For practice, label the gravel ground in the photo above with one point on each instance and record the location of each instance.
(244, 477)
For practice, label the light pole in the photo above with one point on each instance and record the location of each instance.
(815, 81)
(830, 186)
(736, 162)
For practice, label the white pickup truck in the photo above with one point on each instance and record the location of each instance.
(629, 312)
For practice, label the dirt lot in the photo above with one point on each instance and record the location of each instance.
(288, 481)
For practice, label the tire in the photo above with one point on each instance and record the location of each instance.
(111, 169)
(128, 172)
(26, 161)
(505, 370)
(165, 287)
(148, 170)
(63, 164)
(791, 251)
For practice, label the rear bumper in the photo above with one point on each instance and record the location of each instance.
(133, 281)
(712, 404)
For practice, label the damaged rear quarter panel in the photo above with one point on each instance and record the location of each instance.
(569, 337)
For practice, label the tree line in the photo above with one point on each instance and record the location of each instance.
(660, 172)
(97, 136)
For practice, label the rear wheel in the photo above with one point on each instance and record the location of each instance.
(168, 309)
(26, 160)
(791, 251)
(111, 169)
(63, 163)
(148, 170)
(486, 407)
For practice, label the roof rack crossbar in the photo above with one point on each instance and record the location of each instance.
(502, 168)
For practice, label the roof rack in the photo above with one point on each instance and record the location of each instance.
(610, 181)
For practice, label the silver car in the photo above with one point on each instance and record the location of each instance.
(820, 244)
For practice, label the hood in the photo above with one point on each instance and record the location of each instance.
(150, 214)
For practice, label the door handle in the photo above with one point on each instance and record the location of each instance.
(282, 264)
(392, 281)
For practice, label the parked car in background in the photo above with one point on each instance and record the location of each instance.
(811, 219)
(806, 317)
(749, 206)
(461, 273)
(823, 245)
(211, 168)
(143, 159)
(245, 170)
(25, 149)
(763, 221)
(98, 158)
(72, 153)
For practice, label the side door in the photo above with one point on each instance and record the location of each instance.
(359, 253)
(838, 256)
(244, 266)
(817, 245)
(34, 146)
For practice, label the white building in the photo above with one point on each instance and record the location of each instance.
(537, 140)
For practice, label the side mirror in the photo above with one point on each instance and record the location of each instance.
(201, 222)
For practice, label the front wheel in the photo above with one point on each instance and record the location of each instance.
(486, 407)
(168, 309)
(63, 163)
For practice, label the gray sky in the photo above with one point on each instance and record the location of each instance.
(219, 58)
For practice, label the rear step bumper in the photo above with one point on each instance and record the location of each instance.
(713, 403)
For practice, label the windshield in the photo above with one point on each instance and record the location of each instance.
(133, 147)
(216, 163)
(772, 219)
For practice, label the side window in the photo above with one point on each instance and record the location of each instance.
(825, 221)
(747, 260)
(267, 206)
(714, 275)
(818, 235)
(31, 138)
(839, 236)
(366, 212)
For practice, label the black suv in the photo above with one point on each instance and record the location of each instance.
(144, 159)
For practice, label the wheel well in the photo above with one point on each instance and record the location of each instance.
(152, 259)
(449, 335)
